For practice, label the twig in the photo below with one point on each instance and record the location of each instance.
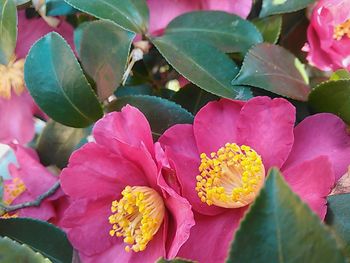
(36, 202)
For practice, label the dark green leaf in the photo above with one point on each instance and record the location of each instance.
(228, 32)
(134, 90)
(271, 7)
(340, 74)
(338, 215)
(332, 96)
(78, 34)
(8, 30)
(105, 61)
(13, 252)
(201, 63)
(40, 236)
(270, 28)
(280, 228)
(273, 68)
(130, 14)
(58, 8)
(161, 113)
(21, 2)
(175, 260)
(57, 84)
(57, 142)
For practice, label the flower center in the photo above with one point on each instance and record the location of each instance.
(12, 77)
(137, 216)
(13, 188)
(231, 178)
(342, 30)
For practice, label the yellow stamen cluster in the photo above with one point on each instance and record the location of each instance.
(137, 216)
(11, 192)
(342, 30)
(231, 177)
(12, 77)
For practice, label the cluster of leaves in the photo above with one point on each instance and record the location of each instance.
(222, 55)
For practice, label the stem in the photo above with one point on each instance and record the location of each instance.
(36, 202)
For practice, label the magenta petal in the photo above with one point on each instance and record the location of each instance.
(267, 126)
(238, 7)
(128, 126)
(94, 172)
(321, 134)
(215, 125)
(312, 181)
(181, 149)
(87, 226)
(114, 254)
(211, 236)
(16, 120)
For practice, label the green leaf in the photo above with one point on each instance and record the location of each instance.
(132, 15)
(8, 30)
(279, 227)
(11, 252)
(272, 7)
(270, 28)
(333, 97)
(57, 84)
(228, 32)
(105, 61)
(201, 63)
(21, 2)
(160, 113)
(40, 236)
(175, 260)
(58, 8)
(338, 215)
(142, 89)
(274, 69)
(340, 74)
(57, 142)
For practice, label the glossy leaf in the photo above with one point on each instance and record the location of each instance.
(340, 74)
(338, 215)
(132, 15)
(272, 7)
(144, 89)
(104, 50)
(161, 113)
(8, 30)
(40, 236)
(270, 28)
(228, 32)
(58, 8)
(12, 251)
(57, 84)
(274, 69)
(201, 63)
(175, 260)
(57, 142)
(333, 97)
(280, 228)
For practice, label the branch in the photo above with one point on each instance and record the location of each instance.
(36, 202)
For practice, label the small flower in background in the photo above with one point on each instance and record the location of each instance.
(122, 208)
(27, 180)
(16, 106)
(162, 12)
(221, 161)
(328, 35)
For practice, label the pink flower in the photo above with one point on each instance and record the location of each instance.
(29, 179)
(234, 144)
(162, 12)
(328, 35)
(122, 208)
(16, 106)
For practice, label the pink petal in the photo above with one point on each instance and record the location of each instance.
(312, 181)
(267, 126)
(238, 7)
(94, 172)
(16, 120)
(211, 236)
(30, 30)
(215, 125)
(321, 134)
(180, 147)
(128, 126)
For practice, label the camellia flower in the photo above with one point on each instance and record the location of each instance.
(30, 179)
(162, 12)
(222, 159)
(122, 208)
(16, 105)
(328, 35)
